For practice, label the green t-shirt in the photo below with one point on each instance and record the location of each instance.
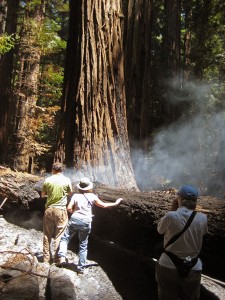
(57, 188)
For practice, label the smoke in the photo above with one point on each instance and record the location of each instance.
(33, 221)
(25, 218)
(103, 174)
(187, 151)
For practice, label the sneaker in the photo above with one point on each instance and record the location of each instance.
(80, 270)
(62, 260)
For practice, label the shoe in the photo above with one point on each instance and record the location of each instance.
(46, 260)
(61, 260)
(80, 270)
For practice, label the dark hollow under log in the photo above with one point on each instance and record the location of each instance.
(131, 225)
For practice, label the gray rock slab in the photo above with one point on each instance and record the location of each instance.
(22, 276)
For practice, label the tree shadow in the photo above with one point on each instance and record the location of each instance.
(130, 276)
(207, 295)
(73, 266)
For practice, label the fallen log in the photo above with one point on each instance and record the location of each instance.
(3, 202)
(133, 223)
(17, 187)
(221, 283)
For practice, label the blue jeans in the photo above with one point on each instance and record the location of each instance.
(83, 228)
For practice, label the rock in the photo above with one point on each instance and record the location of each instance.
(22, 276)
(21, 287)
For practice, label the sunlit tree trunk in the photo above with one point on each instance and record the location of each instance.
(3, 15)
(94, 139)
(22, 142)
(8, 18)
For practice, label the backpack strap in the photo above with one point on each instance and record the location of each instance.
(175, 237)
(88, 200)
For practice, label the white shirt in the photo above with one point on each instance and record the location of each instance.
(83, 205)
(190, 242)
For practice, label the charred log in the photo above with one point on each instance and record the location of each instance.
(18, 187)
(132, 224)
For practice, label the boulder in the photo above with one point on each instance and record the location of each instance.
(23, 276)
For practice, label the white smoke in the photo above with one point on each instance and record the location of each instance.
(184, 152)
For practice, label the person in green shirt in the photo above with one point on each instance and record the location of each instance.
(56, 187)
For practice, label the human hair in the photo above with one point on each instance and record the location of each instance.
(57, 167)
(84, 191)
(189, 203)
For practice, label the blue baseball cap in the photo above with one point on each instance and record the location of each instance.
(188, 192)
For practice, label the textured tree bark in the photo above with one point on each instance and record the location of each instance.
(94, 134)
(3, 15)
(170, 69)
(172, 37)
(24, 113)
(138, 68)
(8, 19)
(187, 39)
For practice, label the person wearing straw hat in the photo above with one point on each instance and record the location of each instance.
(80, 207)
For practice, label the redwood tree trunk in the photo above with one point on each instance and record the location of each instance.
(172, 37)
(3, 15)
(138, 68)
(170, 69)
(8, 19)
(201, 18)
(24, 113)
(187, 39)
(95, 138)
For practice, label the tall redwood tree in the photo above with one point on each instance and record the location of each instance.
(8, 22)
(138, 40)
(23, 101)
(94, 138)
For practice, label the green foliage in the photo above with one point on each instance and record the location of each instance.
(49, 39)
(45, 134)
(58, 6)
(43, 35)
(31, 5)
(208, 25)
(7, 42)
(51, 86)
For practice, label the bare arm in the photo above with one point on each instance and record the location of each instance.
(43, 194)
(70, 206)
(70, 192)
(102, 204)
